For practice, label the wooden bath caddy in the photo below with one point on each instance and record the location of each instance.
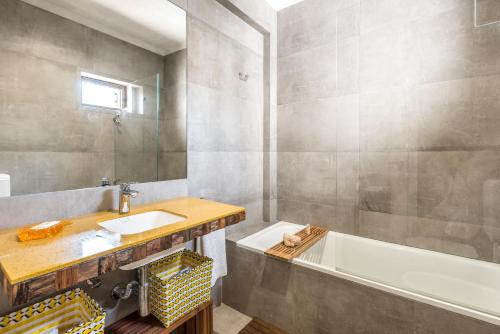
(285, 253)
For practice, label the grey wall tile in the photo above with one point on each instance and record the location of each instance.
(308, 126)
(308, 74)
(379, 312)
(29, 125)
(347, 123)
(104, 61)
(219, 122)
(175, 68)
(377, 13)
(383, 226)
(462, 239)
(455, 186)
(486, 103)
(215, 61)
(348, 178)
(174, 101)
(384, 182)
(137, 166)
(173, 133)
(445, 44)
(309, 177)
(53, 80)
(340, 218)
(203, 52)
(262, 284)
(428, 321)
(487, 11)
(222, 20)
(233, 177)
(319, 310)
(260, 13)
(384, 119)
(298, 32)
(348, 19)
(237, 29)
(172, 165)
(412, 79)
(444, 120)
(301, 212)
(467, 107)
(150, 135)
(42, 34)
(485, 50)
(226, 115)
(130, 135)
(172, 120)
(388, 57)
(348, 66)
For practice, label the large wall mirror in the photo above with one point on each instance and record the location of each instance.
(91, 93)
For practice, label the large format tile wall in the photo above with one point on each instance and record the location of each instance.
(225, 131)
(172, 158)
(388, 121)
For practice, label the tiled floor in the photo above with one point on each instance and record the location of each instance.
(228, 320)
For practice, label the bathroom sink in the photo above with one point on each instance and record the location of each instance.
(141, 222)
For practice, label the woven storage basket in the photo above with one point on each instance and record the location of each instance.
(73, 312)
(173, 295)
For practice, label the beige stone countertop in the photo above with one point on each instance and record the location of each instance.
(78, 242)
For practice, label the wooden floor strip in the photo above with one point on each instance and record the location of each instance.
(258, 326)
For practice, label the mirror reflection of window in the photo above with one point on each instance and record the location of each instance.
(106, 100)
(102, 92)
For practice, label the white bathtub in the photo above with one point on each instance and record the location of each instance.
(458, 284)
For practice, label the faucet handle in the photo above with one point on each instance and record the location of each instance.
(125, 187)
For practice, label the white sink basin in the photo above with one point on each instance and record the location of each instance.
(141, 222)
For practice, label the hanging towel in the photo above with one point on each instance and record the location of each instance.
(213, 245)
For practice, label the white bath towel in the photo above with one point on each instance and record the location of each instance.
(213, 245)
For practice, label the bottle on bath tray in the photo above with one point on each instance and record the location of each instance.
(42, 230)
(308, 229)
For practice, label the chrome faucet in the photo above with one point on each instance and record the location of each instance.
(125, 195)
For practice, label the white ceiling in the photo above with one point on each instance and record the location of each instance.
(280, 4)
(155, 25)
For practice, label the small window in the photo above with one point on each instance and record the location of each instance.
(102, 92)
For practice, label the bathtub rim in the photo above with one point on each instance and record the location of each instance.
(462, 310)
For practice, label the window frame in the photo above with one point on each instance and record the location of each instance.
(127, 97)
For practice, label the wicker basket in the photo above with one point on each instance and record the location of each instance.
(73, 312)
(175, 292)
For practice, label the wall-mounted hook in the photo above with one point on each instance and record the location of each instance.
(117, 119)
(243, 77)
